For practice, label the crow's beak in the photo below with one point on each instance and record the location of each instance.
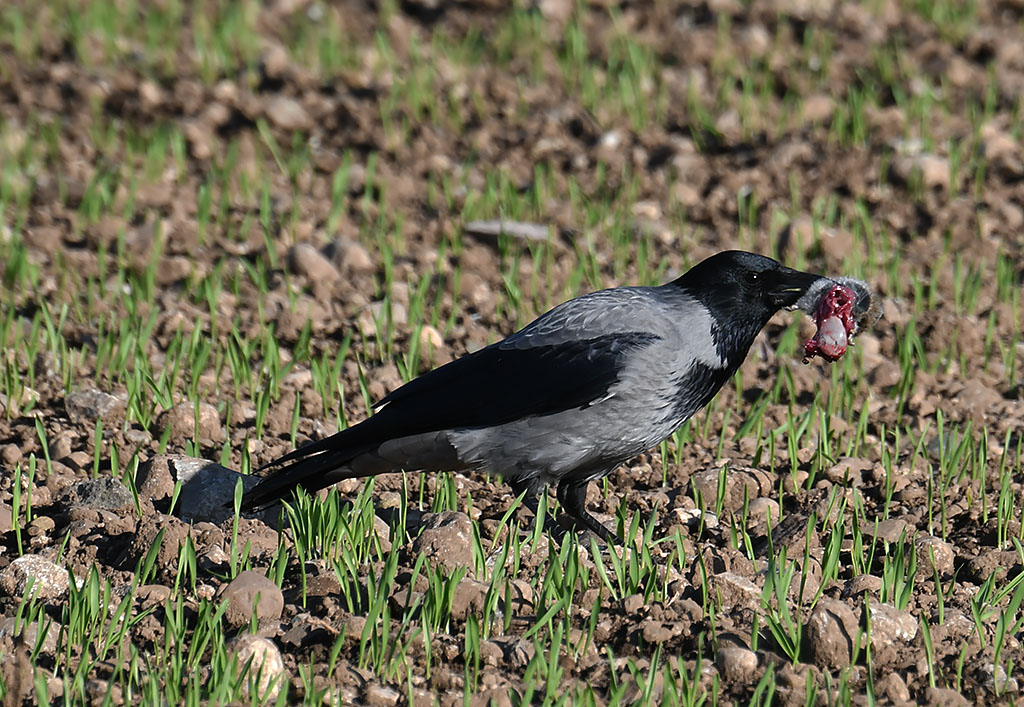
(789, 285)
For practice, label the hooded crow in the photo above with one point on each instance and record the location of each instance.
(567, 399)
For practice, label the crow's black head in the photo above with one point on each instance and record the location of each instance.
(741, 292)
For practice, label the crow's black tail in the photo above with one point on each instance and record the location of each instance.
(315, 466)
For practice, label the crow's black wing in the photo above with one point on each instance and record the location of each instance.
(497, 384)
(503, 382)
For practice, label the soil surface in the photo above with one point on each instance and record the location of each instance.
(912, 217)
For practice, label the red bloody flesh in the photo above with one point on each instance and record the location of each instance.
(834, 319)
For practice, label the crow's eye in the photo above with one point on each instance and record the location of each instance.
(754, 278)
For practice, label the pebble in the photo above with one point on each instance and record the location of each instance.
(287, 114)
(103, 493)
(862, 583)
(181, 419)
(831, 629)
(306, 260)
(944, 697)
(51, 580)
(87, 406)
(266, 674)
(30, 633)
(933, 552)
(889, 625)
(207, 489)
(447, 540)
(737, 664)
(252, 591)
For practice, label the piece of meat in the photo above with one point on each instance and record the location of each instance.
(836, 324)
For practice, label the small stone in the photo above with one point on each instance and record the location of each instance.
(275, 61)
(763, 507)
(378, 695)
(288, 114)
(861, 584)
(447, 540)
(736, 590)
(181, 419)
(469, 598)
(937, 554)
(818, 108)
(831, 631)
(306, 260)
(40, 526)
(517, 652)
(50, 581)
(30, 633)
(893, 686)
(88, 406)
(248, 592)
(150, 595)
(944, 697)
(655, 631)
(737, 664)
(889, 625)
(266, 674)
(351, 257)
(11, 454)
(6, 518)
(633, 603)
(104, 493)
(150, 94)
(997, 680)
(208, 491)
(933, 170)
(155, 479)
(889, 530)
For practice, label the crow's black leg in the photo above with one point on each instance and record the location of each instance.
(572, 494)
(530, 490)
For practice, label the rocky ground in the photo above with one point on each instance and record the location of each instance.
(225, 231)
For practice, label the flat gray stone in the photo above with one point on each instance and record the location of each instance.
(104, 493)
(50, 580)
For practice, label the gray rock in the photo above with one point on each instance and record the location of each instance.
(252, 592)
(31, 634)
(933, 550)
(306, 260)
(736, 590)
(447, 540)
(889, 530)
(6, 518)
(350, 257)
(832, 630)
(469, 598)
(260, 661)
(181, 419)
(862, 584)
(104, 493)
(207, 489)
(737, 664)
(87, 406)
(893, 686)
(517, 652)
(287, 114)
(378, 695)
(944, 697)
(889, 625)
(50, 580)
(997, 680)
